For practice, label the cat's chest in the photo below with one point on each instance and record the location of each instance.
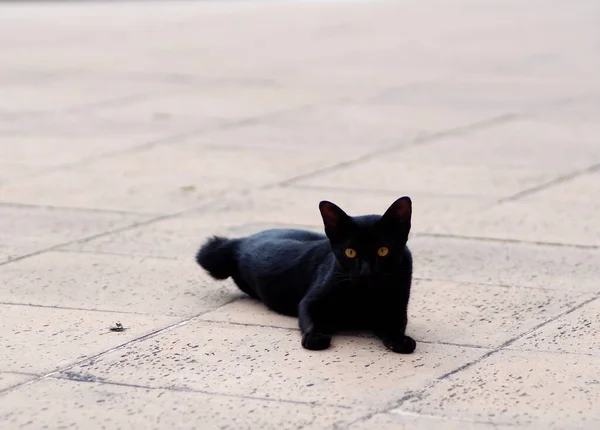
(352, 308)
(351, 300)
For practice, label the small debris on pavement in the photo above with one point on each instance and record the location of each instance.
(117, 327)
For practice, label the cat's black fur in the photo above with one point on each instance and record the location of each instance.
(306, 274)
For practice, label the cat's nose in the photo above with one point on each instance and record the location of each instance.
(365, 269)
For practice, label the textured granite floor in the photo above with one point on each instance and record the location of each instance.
(129, 132)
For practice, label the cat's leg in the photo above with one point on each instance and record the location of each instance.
(313, 336)
(392, 333)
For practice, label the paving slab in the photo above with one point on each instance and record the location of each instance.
(300, 205)
(49, 403)
(119, 283)
(128, 407)
(557, 214)
(211, 106)
(10, 379)
(354, 127)
(396, 171)
(44, 339)
(162, 179)
(38, 152)
(396, 421)
(575, 333)
(178, 237)
(40, 228)
(444, 312)
(570, 269)
(26, 98)
(268, 362)
(528, 142)
(10, 171)
(554, 391)
(232, 117)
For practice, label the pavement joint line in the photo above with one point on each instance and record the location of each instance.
(206, 204)
(446, 418)
(489, 284)
(431, 137)
(503, 347)
(86, 239)
(63, 376)
(182, 136)
(550, 352)
(511, 241)
(75, 308)
(15, 372)
(110, 102)
(548, 185)
(76, 209)
(267, 224)
(347, 335)
(117, 254)
(142, 338)
(381, 192)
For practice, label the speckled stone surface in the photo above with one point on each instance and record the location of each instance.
(130, 132)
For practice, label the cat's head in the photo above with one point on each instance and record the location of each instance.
(372, 246)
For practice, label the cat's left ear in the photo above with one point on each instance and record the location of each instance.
(399, 212)
(334, 218)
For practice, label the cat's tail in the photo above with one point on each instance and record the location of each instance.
(217, 257)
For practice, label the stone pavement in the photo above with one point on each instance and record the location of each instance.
(129, 132)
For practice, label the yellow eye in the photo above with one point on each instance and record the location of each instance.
(350, 253)
(383, 251)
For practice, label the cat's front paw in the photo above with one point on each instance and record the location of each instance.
(401, 345)
(315, 341)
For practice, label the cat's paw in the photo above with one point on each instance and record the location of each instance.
(315, 341)
(402, 345)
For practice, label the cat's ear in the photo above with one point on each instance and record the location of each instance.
(399, 212)
(334, 218)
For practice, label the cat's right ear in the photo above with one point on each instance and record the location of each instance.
(334, 218)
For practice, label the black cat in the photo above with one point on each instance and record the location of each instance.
(358, 276)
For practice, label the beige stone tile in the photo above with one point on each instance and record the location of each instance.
(558, 214)
(164, 178)
(211, 105)
(248, 311)
(267, 362)
(9, 379)
(55, 150)
(44, 339)
(11, 171)
(482, 315)
(57, 95)
(523, 142)
(178, 237)
(50, 403)
(505, 263)
(552, 390)
(113, 282)
(25, 229)
(531, 220)
(352, 127)
(10, 252)
(394, 171)
(486, 95)
(300, 206)
(576, 332)
(584, 189)
(447, 312)
(394, 421)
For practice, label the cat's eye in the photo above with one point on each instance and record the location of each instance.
(350, 253)
(383, 251)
